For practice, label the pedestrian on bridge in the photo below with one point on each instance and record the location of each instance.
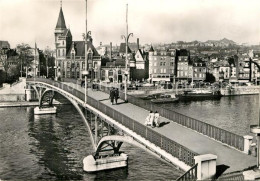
(112, 95)
(149, 121)
(157, 119)
(116, 94)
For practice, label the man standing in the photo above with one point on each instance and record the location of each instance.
(116, 94)
(112, 95)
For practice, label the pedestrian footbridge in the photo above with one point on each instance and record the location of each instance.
(177, 143)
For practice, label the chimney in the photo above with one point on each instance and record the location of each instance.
(110, 51)
(137, 43)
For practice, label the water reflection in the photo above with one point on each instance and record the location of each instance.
(49, 148)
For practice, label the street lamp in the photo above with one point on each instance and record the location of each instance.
(126, 51)
(256, 128)
(85, 72)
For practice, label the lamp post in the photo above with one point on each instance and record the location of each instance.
(85, 72)
(126, 51)
(256, 128)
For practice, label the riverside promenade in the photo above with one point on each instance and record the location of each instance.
(230, 159)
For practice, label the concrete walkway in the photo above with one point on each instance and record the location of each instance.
(229, 158)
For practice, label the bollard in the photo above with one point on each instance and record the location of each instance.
(247, 143)
(253, 149)
(206, 166)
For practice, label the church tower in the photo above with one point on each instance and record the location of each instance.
(63, 41)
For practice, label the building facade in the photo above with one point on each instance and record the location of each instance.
(161, 65)
(70, 55)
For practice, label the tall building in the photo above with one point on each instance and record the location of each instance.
(184, 66)
(70, 55)
(161, 65)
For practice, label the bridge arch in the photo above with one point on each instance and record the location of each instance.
(50, 100)
(120, 139)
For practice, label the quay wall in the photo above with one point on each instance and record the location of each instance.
(12, 97)
(243, 90)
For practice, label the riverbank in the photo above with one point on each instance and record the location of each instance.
(25, 104)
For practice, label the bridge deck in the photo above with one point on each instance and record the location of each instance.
(227, 157)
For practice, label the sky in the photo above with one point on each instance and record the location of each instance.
(152, 21)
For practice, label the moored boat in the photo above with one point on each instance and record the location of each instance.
(165, 98)
(200, 94)
(149, 97)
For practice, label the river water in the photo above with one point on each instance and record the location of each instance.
(234, 113)
(52, 147)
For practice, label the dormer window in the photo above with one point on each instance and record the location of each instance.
(73, 55)
(89, 56)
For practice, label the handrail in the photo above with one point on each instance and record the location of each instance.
(191, 174)
(170, 146)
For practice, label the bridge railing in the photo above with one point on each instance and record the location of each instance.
(170, 146)
(214, 132)
(191, 174)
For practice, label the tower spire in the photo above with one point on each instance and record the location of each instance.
(61, 3)
(61, 21)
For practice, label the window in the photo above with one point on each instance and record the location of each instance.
(77, 74)
(161, 70)
(154, 70)
(63, 52)
(110, 73)
(155, 63)
(89, 56)
(161, 63)
(171, 64)
(62, 42)
(68, 64)
(58, 53)
(164, 63)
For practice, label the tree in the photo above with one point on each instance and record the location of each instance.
(2, 77)
(210, 77)
(25, 55)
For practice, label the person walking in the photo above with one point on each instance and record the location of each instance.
(116, 94)
(112, 95)
(157, 119)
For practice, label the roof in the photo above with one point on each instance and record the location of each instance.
(4, 44)
(67, 31)
(116, 63)
(61, 21)
(122, 48)
(183, 52)
(79, 47)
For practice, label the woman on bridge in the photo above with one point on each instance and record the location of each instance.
(149, 121)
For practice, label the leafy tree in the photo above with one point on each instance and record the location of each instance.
(210, 77)
(2, 77)
(25, 55)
